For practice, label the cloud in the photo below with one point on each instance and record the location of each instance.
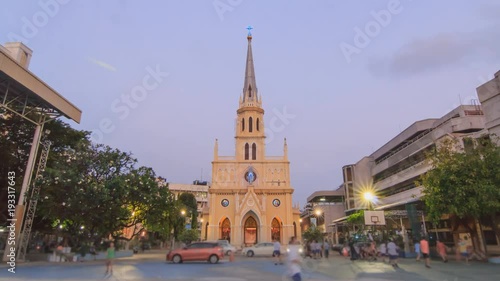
(440, 51)
(102, 64)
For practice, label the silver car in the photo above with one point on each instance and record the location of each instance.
(228, 248)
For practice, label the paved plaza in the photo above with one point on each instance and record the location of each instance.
(151, 266)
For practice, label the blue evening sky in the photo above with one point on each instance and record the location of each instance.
(417, 64)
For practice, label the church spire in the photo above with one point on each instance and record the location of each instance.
(250, 85)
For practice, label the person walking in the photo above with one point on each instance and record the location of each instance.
(462, 247)
(392, 251)
(326, 247)
(383, 250)
(277, 252)
(110, 256)
(441, 249)
(424, 249)
(417, 249)
(294, 261)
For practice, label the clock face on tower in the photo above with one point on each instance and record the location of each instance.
(250, 176)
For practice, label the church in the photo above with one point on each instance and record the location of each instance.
(250, 198)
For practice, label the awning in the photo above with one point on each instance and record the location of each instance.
(334, 222)
(403, 202)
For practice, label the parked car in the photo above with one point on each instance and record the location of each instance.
(200, 251)
(228, 248)
(261, 249)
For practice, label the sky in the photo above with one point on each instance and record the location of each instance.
(349, 75)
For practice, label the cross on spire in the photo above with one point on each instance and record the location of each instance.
(249, 30)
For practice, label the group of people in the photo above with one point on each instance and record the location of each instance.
(294, 259)
(317, 250)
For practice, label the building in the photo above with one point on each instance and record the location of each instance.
(489, 96)
(200, 191)
(393, 170)
(250, 198)
(323, 207)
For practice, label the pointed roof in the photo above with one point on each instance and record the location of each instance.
(250, 85)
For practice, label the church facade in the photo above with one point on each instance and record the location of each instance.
(250, 198)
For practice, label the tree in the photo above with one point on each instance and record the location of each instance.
(188, 200)
(312, 233)
(463, 182)
(189, 235)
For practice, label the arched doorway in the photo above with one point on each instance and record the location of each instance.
(276, 230)
(250, 231)
(295, 230)
(225, 230)
(206, 231)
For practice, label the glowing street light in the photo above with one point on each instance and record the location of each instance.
(318, 212)
(368, 196)
(183, 212)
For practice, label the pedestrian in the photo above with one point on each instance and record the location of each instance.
(441, 249)
(294, 261)
(392, 251)
(424, 249)
(417, 249)
(462, 247)
(277, 252)
(326, 247)
(383, 250)
(109, 258)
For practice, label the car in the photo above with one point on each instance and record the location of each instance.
(199, 251)
(261, 249)
(228, 248)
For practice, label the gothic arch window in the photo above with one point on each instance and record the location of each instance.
(257, 124)
(276, 230)
(242, 124)
(247, 151)
(249, 91)
(254, 151)
(225, 230)
(294, 229)
(250, 124)
(206, 231)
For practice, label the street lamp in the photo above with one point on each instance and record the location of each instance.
(183, 212)
(369, 198)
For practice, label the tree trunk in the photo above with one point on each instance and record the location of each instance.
(495, 221)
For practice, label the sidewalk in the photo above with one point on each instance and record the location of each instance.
(341, 268)
(151, 255)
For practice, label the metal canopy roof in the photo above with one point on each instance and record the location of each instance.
(326, 196)
(25, 94)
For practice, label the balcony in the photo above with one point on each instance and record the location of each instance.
(403, 174)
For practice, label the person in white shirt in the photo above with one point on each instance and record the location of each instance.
(383, 251)
(277, 252)
(294, 260)
(392, 251)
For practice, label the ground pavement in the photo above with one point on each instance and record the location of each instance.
(151, 266)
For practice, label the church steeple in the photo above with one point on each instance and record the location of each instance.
(250, 93)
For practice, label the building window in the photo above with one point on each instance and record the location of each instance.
(254, 151)
(247, 151)
(250, 124)
(242, 124)
(249, 91)
(257, 124)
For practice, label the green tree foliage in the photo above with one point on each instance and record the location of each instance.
(188, 200)
(463, 182)
(189, 235)
(312, 233)
(357, 218)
